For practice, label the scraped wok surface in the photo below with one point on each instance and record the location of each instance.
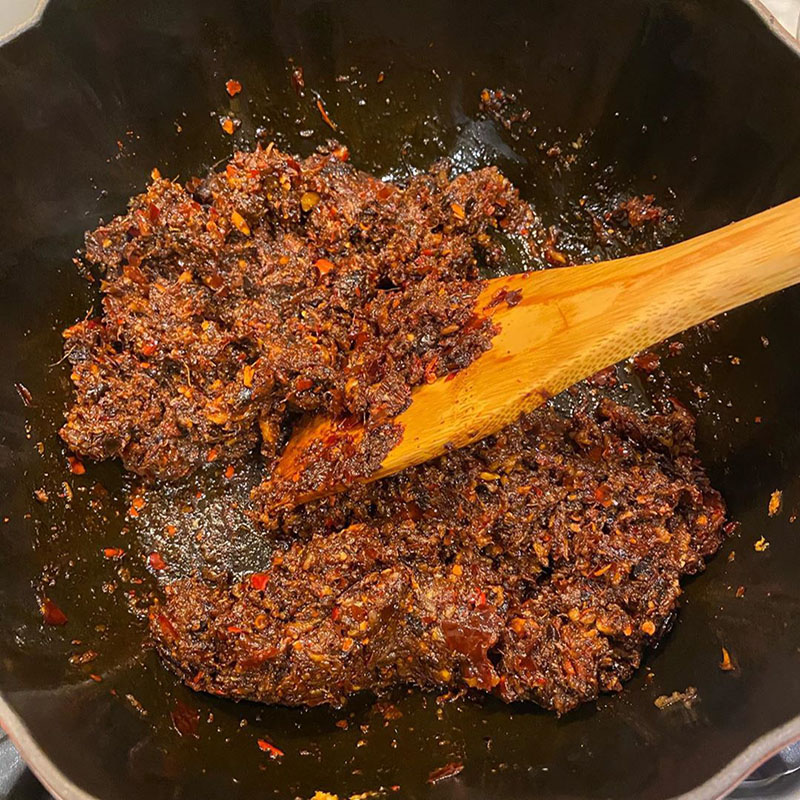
(697, 98)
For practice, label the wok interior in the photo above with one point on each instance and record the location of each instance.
(699, 99)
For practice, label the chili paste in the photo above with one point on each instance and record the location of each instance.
(537, 564)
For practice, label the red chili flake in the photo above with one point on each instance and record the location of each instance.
(76, 465)
(212, 454)
(301, 384)
(132, 272)
(241, 223)
(553, 256)
(449, 770)
(148, 349)
(266, 747)
(336, 612)
(498, 297)
(227, 125)
(324, 266)
(726, 665)
(156, 561)
(248, 373)
(113, 552)
(83, 658)
(605, 377)
(298, 79)
(233, 87)
(229, 471)
(52, 614)
(602, 494)
(167, 628)
(95, 678)
(153, 211)
(430, 370)
(235, 629)
(341, 152)
(513, 298)
(324, 114)
(775, 502)
(390, 712)
(194, 681)
(24, 393)
(258, 657)
(381, 76)
(675, 348)
(647, 362)
(185, 719)
(259, 580)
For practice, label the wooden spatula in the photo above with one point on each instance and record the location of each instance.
(561, 325)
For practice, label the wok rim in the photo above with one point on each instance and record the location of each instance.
(716, 787)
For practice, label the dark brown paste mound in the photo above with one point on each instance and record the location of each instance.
(536, 564)
(276, 287)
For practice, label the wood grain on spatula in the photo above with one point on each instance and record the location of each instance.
(561, 325)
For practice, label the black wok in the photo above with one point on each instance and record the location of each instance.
(695, 97)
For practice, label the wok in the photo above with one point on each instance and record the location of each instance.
(697, 101)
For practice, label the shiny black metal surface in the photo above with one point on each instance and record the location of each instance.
(778, 779)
